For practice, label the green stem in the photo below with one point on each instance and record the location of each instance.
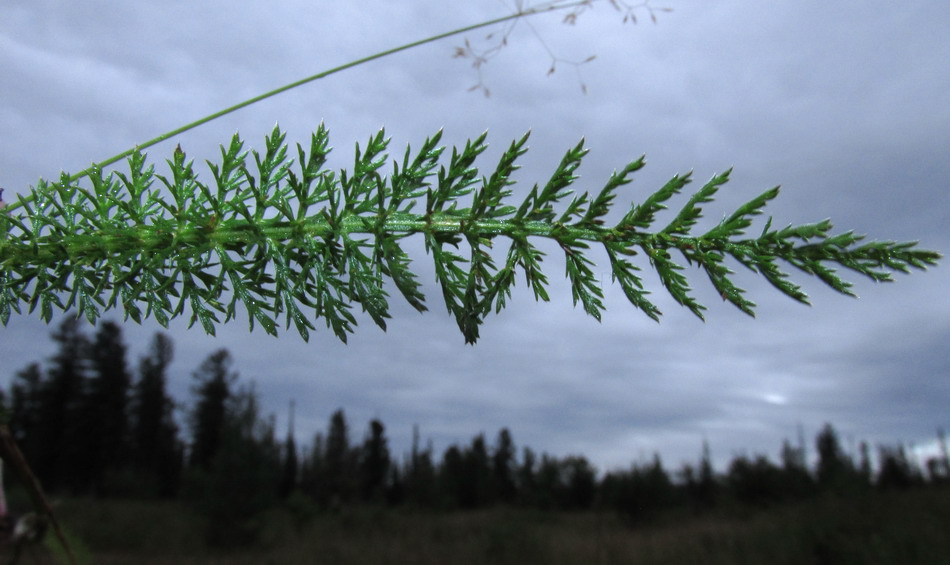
(145, 239)
(550, 7)
(192, 239)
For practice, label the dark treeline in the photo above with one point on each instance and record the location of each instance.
(90, 425)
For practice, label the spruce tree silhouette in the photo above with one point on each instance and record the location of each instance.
(374, 463)
(156, 448)
(56, 430)
(339, 462)
(835, 470)
(290, 466)
(103, 412)
(504, 467)
(214, 382)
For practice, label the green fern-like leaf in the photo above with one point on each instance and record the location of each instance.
(286, 238)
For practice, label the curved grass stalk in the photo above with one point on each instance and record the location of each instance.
(521, 12)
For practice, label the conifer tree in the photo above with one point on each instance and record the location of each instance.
(104, 412)
(896, 470)
(548, 483)
(213, 388)
(421, 474)
(56, 431)
(699, 483)
(452, 478)
(338, 460)
(639, 492)
(395, 486)
(241, 480)
(290, 465)
(798, 482)
(313, 471)
(156, 447)
(504, 468)
(580, 483)
(374, 463)
(835, 470)
(756, 481)
(475, 490)
(527, 484)
(864, 471)
(707, 487)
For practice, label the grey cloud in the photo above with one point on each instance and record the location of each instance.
(841, 104)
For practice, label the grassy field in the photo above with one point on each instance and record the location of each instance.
(888, 528)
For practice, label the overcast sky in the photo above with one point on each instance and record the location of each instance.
(844, 104)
